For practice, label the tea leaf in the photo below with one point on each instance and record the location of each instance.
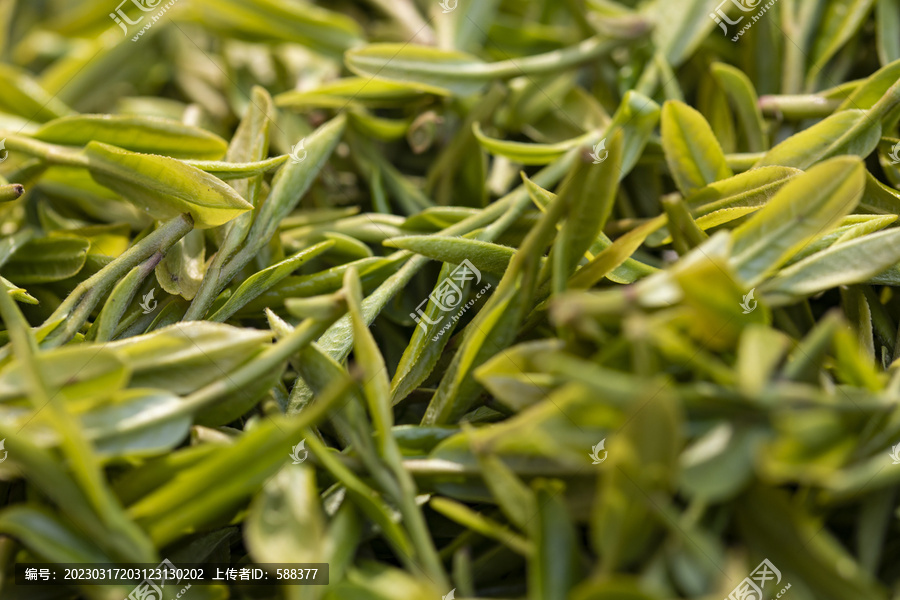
(692, 151)
(844, 263)
(146, 135)
(741, 92)
(258, 283)
(164, 187)
(846, 132)
(807, 206)
(47, 259)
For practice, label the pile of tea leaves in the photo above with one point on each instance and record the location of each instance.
(580, 299)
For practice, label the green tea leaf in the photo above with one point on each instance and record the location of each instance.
(742, 94)
(692, 151)
(164, 187)
(47, 259)
(809, 205)
(258, 283)
(147, 135)
(844, 263)
(847, 132)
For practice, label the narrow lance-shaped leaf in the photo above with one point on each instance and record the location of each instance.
(186, 356)
(853, 132)
(527, 153)
(487, 257)
(339, 92)
(26, 98)
(637, 116)
(316, 27)
(258, 283)
(692, 151)
(250, 142)
(289, 186)
(871, 90)
(164, 187)
(121, 296)
(841, 20)
(226, 171)
(846, 263)
(808, 206)
(743, 95)
(451, 72)
(378, 398)
(589, 194)
(553, 566)
(887, 23)
(147, 135)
